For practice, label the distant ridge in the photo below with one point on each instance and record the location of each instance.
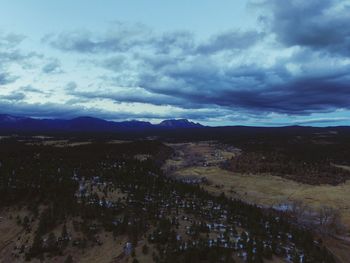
(174, 128)
(87, 124)
(180, 123)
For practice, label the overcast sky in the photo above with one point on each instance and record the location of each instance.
(227, 62)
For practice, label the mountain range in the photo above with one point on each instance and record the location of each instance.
(87, 124)
(174, 128)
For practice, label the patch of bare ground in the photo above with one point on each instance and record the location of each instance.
(59, 143)
(10, 231)
(117, 141)
(204, 154)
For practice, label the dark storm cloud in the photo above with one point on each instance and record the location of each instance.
(253, 88)
(313, 23)
(229, 70)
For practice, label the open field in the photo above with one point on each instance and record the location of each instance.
(203, 159)
(264, 190)
(202, 154)
(59, 143)
(270, 190)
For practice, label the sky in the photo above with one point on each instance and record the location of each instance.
(227, 62)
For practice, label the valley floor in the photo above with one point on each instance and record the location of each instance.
(200, 162)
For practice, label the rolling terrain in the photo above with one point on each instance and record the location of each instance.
(178, 191)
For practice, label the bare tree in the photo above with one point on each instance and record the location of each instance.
(298, 209)
(329, 220)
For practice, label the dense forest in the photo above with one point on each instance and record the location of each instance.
(179, 222)
(312, 159)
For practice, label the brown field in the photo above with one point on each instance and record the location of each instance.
(264, 190)
(270, 190)
(202, 154)
(58, 143)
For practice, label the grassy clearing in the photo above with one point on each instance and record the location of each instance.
(270, 190)
(207, 153)
(202, 159)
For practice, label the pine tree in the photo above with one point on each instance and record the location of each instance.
(64, 236)
(145, 249)
(52, 242)
(69, 259)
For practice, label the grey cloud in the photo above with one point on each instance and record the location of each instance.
(71, 86)
(10, 54)
(174, 69)
(68, 111)
(13, 56)
(231, 40)
(10, 40)
(253, 88)
(125, 38)
(200, 82)
(121, 38)
(314, 24)
(6, 78)
(321, 120)
(116, 63)
(52, 67)
(50, 110)
(32, 89)
(14, 96)
(181, 41)
(130, 95)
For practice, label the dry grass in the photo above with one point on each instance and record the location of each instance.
(58, 143)
(270, 190)
(11, 233)
(207, 153)
(266, 190)
(102, 254)
(118, 141)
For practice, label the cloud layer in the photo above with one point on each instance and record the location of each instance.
(294, 62)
